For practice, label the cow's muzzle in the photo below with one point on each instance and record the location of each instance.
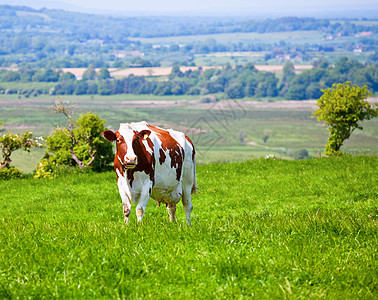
(130, 163)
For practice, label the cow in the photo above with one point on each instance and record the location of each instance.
(153, 162)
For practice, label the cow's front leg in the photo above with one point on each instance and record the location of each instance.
(143, 201)
(125, 193)
(126, 212)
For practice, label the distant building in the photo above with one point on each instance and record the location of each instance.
(283, 56)
(357, 50)
(366, 33)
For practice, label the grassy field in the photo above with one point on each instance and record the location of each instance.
(262, 228)
(297, 37)
(45, 86)
(216, 128)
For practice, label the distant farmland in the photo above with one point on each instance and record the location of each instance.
(165, 71)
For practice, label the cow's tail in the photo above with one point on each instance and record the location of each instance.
(194, 187)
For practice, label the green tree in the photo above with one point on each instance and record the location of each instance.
(46, 75)
(176, 72)
(67, 77)
(235, 91)
(80, 142)
(89, 74)
(11, 142)
(288, 75)
(103, 73)
(301, 154)
(313, 91)
(267, 85)
(342, 108)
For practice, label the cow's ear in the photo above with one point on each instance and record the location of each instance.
(109, 135)
(143, 135)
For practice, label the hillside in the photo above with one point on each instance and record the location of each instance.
(59, 38)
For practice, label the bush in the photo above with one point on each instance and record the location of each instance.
(45, 169)
(301, 154)
(10, 173)
(89, 147)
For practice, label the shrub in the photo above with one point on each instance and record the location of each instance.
(45, 169)
(80, 143)
(301, 154)
(11, 142)
(10, 173)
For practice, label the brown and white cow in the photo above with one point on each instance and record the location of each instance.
(153, 162)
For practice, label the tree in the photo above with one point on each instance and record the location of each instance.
(313, 91)
(235, 91)
(301, 154)
(103, 73)
(176, 72)
(296, 91)
(80, 142)
(267, 85)
(90, 74)
(288, 75)
(342, 108)
(67, 76)
(12, 142)
(46, 75)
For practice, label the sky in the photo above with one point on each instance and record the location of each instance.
(208, 7)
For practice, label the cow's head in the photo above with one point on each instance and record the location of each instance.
(127, 141)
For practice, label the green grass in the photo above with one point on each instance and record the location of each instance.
(299, 37)
(262, 228)
(46, 86)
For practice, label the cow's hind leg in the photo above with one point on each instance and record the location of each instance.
(187, 202)
(171, 212)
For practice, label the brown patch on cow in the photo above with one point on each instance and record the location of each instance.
(176, 153)
(109, 135)
(146, 161)
(121, 150)
(162, 156)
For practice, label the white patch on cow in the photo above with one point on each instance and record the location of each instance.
(124, 192)
(178, 136)
(148, 149)
(128, 133)
(120, 160)
(124, 186)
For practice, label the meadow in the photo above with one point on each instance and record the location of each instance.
(222, 131)
(297, 37)
(263, 228)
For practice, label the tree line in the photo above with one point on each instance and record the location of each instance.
(234, 82)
